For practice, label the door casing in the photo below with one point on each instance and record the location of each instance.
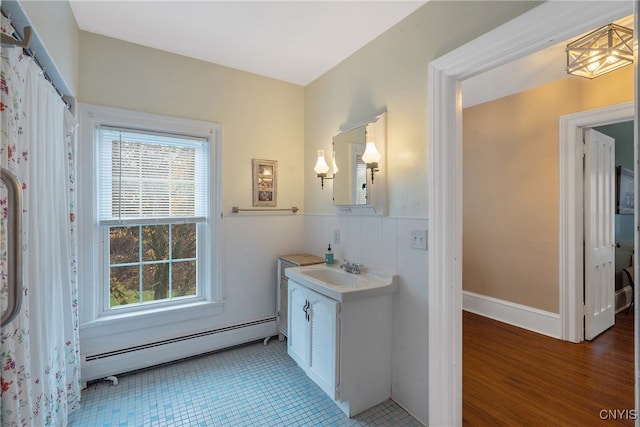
(541, 27)
(571, 211)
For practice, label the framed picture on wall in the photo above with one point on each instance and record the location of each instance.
(265, 182)
(625, 196)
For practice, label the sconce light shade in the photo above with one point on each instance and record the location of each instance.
(601, 51)
(371, 154)
(321, 166)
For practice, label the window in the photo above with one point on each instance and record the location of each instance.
(152, 263)
(361, 180)
(153, 205)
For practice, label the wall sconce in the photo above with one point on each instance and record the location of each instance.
(601, 51)
(371, 156)
(322, 168)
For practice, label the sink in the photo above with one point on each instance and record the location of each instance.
(340, 285)
(333, 277)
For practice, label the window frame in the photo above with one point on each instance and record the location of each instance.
(94, 244)
(107, 220)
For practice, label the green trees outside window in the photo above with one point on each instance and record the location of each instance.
(152, 263)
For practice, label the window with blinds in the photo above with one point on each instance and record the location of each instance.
(361, 181)
(147, 177)
(153, 205)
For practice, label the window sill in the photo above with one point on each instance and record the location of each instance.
(119, 323)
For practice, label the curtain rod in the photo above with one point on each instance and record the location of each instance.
(24, 41)
(8, 40)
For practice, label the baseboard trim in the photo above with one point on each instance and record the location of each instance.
(522, 316)
(623, 298)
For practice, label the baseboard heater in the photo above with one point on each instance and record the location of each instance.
(102, 365)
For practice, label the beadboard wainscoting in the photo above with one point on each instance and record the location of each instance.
(250, 245)
(384, 244)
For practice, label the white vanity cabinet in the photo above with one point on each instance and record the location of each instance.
(313, 331)
(284, 262)
(344, 347)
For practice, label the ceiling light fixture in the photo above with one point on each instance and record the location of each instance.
(601, 51)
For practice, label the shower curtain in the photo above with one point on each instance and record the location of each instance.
(39, 353)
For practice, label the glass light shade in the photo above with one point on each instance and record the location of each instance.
(321, 166)
(335, 166)
(370, 133)
(601, 51)
(371, 154)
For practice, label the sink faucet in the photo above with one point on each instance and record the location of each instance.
(351, 268)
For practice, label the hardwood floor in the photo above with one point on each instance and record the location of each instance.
(516, 377)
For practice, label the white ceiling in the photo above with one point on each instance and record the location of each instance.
(294, 41)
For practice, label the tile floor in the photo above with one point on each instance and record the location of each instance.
(250, 385)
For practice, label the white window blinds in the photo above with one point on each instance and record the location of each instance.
(361, 181)
(148, 177)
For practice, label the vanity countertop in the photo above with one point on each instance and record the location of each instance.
(340, 285)
(303, 259)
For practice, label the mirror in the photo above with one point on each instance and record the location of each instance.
(353, 185)
(350, 183)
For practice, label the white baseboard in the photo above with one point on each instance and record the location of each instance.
(532, 319)
(623, 298)
(144, 358)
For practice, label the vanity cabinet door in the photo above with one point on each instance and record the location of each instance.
(314, 335)
(324, 342)
(298, 338)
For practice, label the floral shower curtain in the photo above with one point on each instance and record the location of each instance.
(39, 352)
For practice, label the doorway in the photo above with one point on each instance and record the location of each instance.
(571, 191)
(535, 30)
(624, 218)
(511, 203)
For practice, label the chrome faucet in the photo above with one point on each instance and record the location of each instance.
(351, 268)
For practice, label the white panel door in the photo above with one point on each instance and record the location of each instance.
(599, 211)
